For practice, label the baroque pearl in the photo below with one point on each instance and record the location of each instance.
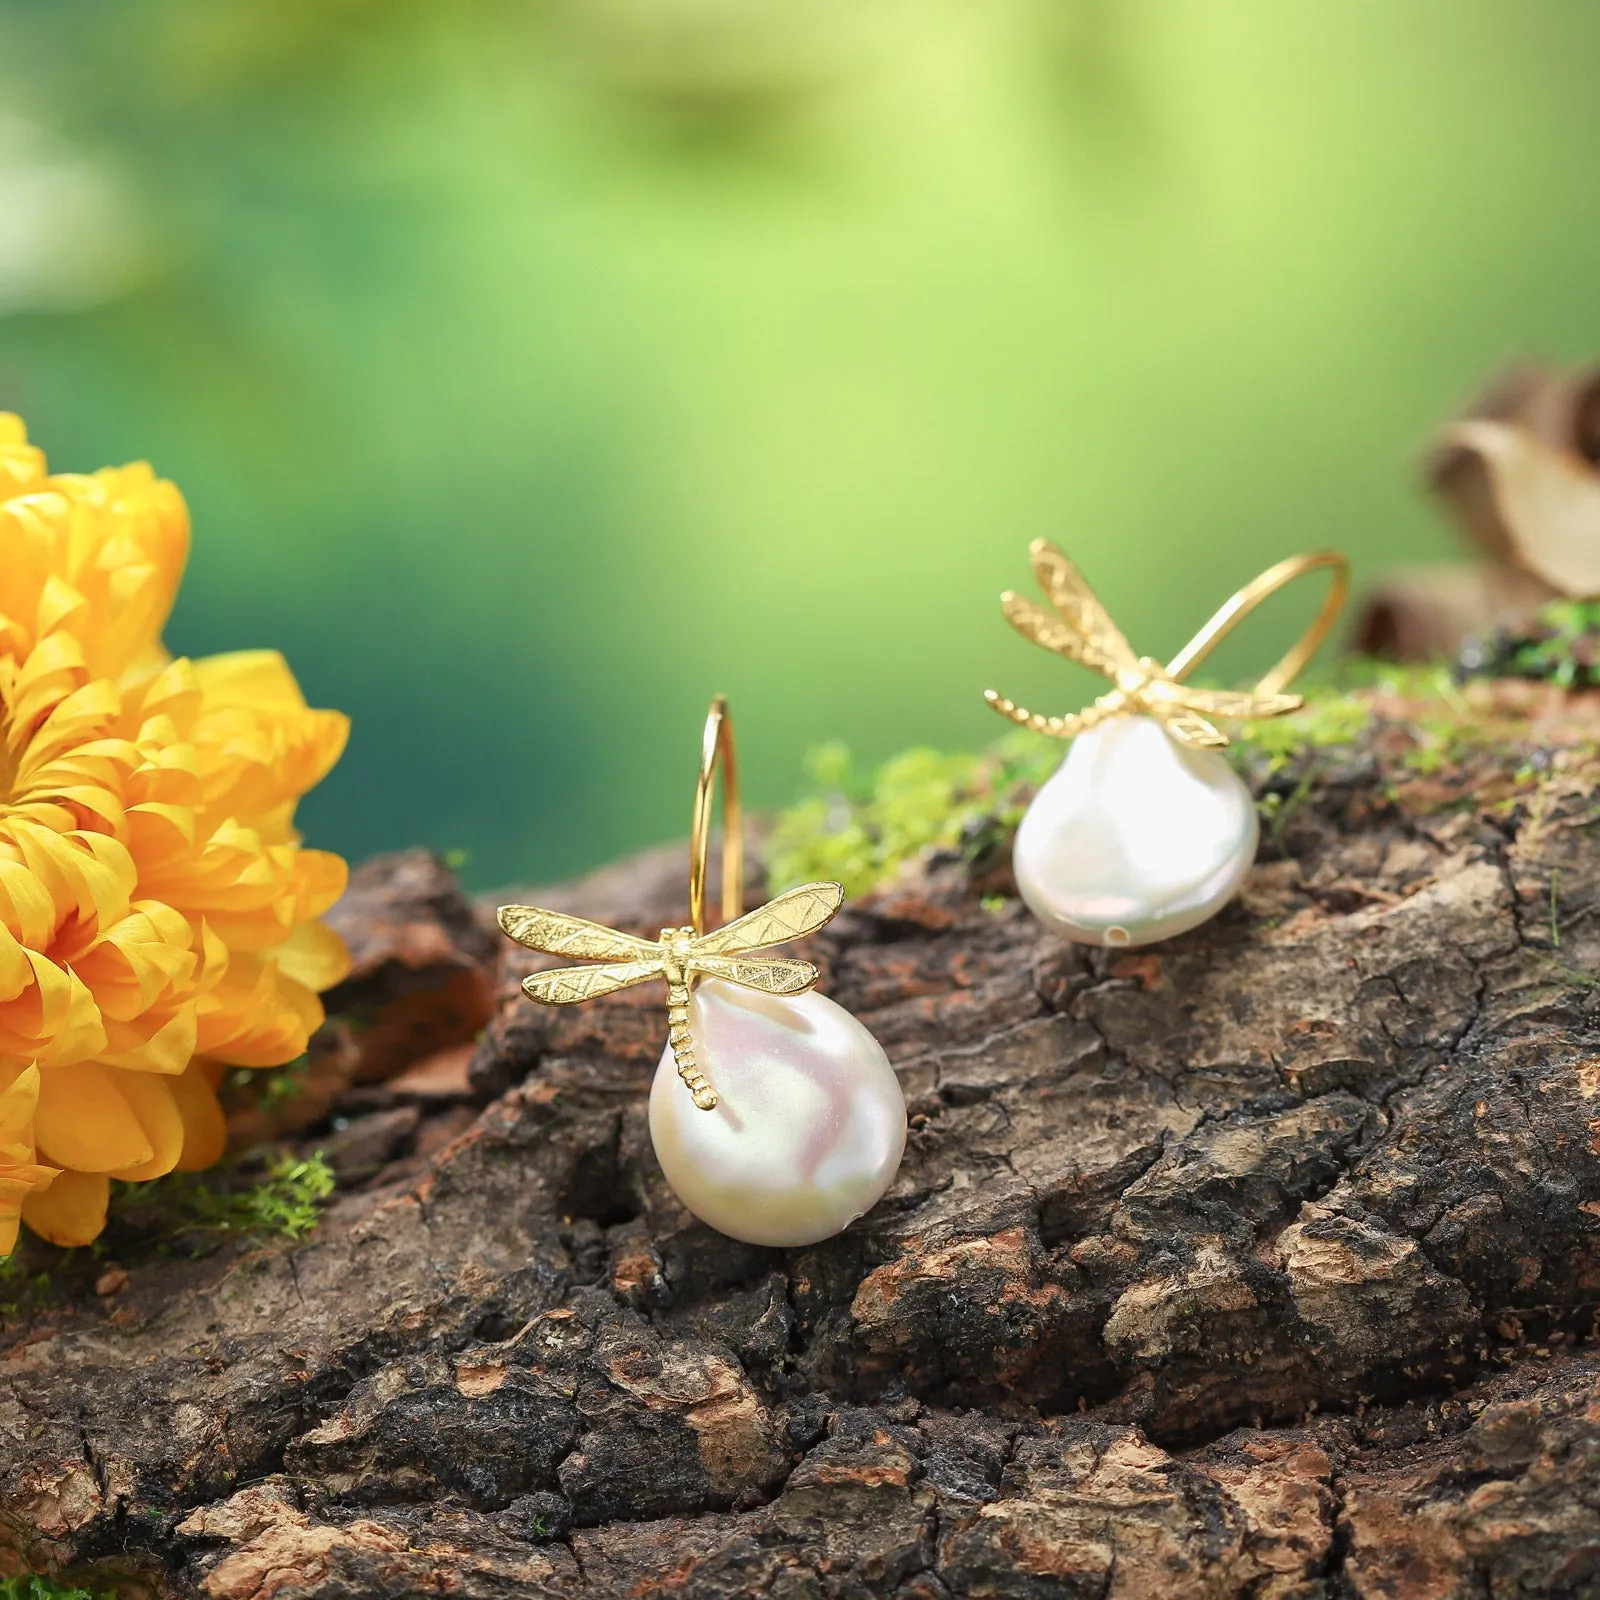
(1137, 837)
(809, 1126)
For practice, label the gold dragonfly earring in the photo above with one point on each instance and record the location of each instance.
(1145, 831)
(775, 1114)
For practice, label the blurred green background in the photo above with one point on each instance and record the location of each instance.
(535, 368)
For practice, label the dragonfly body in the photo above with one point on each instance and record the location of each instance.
(677, 966)
(679, 956)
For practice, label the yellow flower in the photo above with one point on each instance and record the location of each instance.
(20, 1174)
(157, 911)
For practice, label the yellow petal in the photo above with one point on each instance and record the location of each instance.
(83, 1121)
(315, 956)
(15, 1187)
(25, 905)
(57, 1014)
(137, 963)
(21, 464)
(54, 1020)
(87, 874)
(160, 1119)
(58, 602)
(205, 1129)
(252, 678)
(11, 1197)
(324, 877)
(166, 1049)
(71, 1211)
(17, 1107)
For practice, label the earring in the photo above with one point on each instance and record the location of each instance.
(1144, 831)
(775, 1114)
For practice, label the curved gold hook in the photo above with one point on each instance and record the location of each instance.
(716, 750)
(1233, 611)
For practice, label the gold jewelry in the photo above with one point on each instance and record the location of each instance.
(807, 1122)
(1144, 831)
(1081, 630)
(681, 955)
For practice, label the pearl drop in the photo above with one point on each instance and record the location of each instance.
(809, 1126)
(1137, 837)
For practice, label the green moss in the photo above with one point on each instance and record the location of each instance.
(186, 1212)
(1337, 715)
(22, 1288)
(860, 829)
(1564, 977)
(1331, 717)
(196, 1207)
(1445, 736)
(270, 1089)
(34, 1588)
(1560, 645)
(1276, 806)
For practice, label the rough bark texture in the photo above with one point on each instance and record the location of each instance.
(1260, 1264)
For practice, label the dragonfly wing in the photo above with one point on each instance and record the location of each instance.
(769, 974)
(793, 914)
(1245, 707)
(1192, 729)
(1053, 632)
(566, 986)
(557, 934)
(1101, 644)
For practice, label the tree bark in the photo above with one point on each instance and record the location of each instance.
(1263, 1263)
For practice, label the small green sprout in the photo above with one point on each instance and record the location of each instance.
(1561, 645)
(29, 1586)
(1329, 718)
(860, 830)
(285, 1204)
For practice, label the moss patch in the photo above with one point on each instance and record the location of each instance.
(270, 1088)
(200, 1209)
(861, 828)
(187, 1213)
(34, 1588)
(1559, 645)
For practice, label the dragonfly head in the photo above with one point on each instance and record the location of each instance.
(1137, 681)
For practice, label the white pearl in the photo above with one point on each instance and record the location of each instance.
(809, 1126)
(1137, 837)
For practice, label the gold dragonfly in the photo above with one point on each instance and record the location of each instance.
(1080, 629)
(680, 956)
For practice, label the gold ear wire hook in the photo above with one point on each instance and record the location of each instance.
(1079, 628)
(1238, 606)
(716, 749)
(731, 952)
